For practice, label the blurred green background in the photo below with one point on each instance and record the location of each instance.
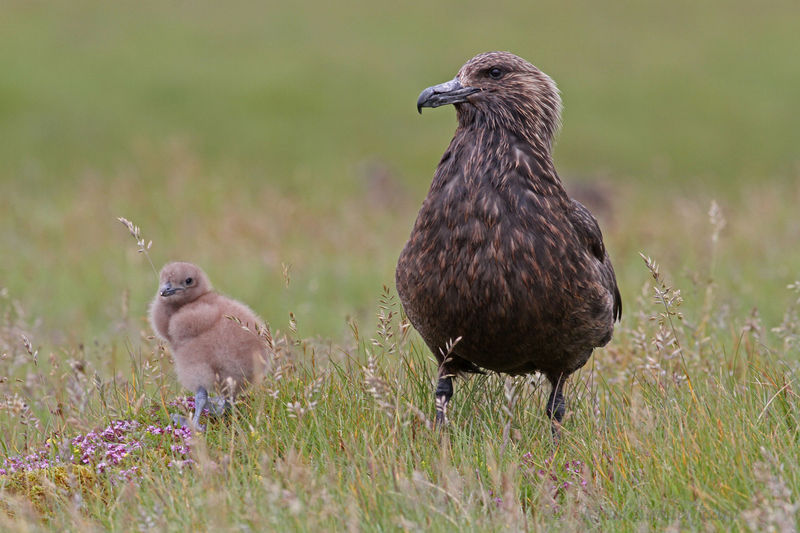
(256, 138)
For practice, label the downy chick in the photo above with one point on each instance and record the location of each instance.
(210, 349)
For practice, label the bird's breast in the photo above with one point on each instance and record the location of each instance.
(474, 247)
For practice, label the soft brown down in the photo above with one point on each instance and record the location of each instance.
(499, 254)
(209, 348)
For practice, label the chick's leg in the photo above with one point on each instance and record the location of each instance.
(218, 406)
(200, 401)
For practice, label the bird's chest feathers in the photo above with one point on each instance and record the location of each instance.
(487, 217)
(193, 320)
(487, 226)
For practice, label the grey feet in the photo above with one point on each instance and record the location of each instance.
(182, 421)
(200, 400)
(217, 406)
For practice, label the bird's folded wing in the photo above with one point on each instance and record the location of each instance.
(592, 238)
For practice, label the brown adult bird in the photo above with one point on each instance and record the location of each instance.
(214, 339)
(499, 255)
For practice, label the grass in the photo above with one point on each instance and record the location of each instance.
(683, 422)
(281, 151)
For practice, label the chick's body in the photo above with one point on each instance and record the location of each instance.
(208, 347)
(214, 339)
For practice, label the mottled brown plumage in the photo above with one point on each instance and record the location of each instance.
(499, 254)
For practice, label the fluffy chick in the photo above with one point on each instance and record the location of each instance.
(211, 351)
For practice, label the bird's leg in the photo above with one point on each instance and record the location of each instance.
(556, 404)
(218, 406)
(200, 401)
(444, 391)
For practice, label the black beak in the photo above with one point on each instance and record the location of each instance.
(168, 290)
(451, 92)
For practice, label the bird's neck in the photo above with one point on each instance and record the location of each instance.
(533, 131)
(507, 158)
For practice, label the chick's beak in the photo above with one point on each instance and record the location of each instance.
(168, 290)
(451, 92)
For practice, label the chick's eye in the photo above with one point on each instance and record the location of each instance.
(189, 281)
(495, 73)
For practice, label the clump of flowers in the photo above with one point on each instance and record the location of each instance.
(107, 448)
(558, 479)
(186, 403)
(22, 463)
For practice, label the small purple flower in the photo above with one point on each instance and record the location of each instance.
(559, 477)
(106, 448)
(181, 449)
(180, 463)
(128, 475)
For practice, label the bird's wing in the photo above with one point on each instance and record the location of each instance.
(592, 238)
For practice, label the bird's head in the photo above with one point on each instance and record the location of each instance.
(500, 89)
(181, 283)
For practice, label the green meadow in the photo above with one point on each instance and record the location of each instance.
(278, 146)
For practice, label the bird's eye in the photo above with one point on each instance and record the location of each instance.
(495, 73)
(189, 281)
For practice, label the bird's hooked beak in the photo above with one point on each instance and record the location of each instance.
(451, 92)
(168, 290)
